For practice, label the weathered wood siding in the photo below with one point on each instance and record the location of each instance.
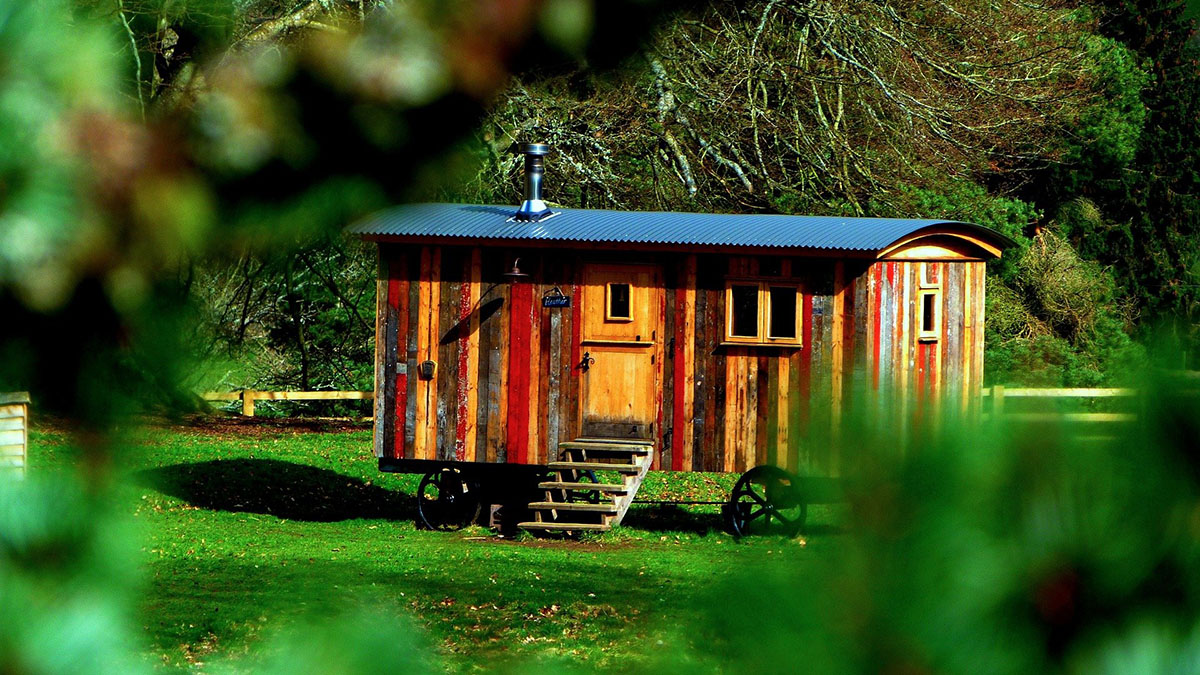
(507, 385)
(922, 380)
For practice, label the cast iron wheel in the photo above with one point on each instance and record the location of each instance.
(766, 500)
(446, 500)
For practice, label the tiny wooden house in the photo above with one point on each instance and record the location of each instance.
(720, 342)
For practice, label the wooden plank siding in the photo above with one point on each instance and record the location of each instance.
(508, 381)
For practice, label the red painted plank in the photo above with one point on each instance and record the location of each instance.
(922, 361)
(658, 372)
(876, 323)
(805, 383)
(518, 372)
(679, 421)
(398, 302)
(464, 354)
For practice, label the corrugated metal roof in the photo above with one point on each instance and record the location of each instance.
(470, 221)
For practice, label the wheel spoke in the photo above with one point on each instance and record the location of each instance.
(761, 499)
(766, 499)
(445, 501)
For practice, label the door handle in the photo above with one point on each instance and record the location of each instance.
(586, 362)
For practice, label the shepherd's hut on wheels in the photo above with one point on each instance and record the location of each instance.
(521, 349)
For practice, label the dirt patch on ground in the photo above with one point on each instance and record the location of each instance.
(559, 542)
(216, 425)
(258, 426)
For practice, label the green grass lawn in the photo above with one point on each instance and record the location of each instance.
(246, 529)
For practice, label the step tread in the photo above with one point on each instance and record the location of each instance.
(606, 451)
(602, 487)
(564, 526)
(573, 506)
(606, 447)
(593, 466)
(613, 441)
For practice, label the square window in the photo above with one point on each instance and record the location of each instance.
(762, 312)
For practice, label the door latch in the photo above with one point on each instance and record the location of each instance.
(586, 362)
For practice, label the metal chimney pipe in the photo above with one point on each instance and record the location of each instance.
(533, 208)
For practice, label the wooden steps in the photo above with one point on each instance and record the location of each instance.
(593, 466)
(612, 488)
(616, 448)
(596, 440)
(564, 527)
(573, 504)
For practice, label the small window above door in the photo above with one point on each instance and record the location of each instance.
(618, 303)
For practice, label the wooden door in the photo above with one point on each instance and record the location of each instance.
(622, 346)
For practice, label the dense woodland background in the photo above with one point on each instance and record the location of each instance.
(207, 155)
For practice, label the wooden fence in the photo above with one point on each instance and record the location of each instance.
(249, 396)
(995, 401)
(996, 398)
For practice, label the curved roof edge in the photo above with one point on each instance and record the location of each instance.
(668, 228)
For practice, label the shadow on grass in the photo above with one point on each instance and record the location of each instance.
(669, 517)
(672, 518)
(281, 489)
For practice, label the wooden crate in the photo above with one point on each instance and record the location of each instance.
(14, 433)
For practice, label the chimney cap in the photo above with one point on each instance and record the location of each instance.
(533, 209)
(538, 149)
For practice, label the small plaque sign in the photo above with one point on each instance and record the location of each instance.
(556, 301)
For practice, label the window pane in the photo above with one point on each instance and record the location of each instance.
(618, 301)
(783, 312)
(927, 313)
(745, 310)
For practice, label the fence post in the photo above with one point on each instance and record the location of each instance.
(997, 401)
(248, 402)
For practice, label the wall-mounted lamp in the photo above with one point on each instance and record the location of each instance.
(515, 274)
(426, 369)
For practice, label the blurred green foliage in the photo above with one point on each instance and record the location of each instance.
(1002, 550)
(66, 585)
(44, 93)
(152, 151)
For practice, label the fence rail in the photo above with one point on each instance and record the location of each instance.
(249, 396)
(995, 400)
(999, 395)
